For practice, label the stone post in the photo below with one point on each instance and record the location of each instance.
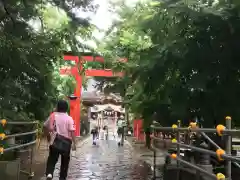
(229, 148)
(205, 161)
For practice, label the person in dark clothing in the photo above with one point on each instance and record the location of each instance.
(94, 133)
(60, 127)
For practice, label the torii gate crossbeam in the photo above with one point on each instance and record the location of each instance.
(74, 71)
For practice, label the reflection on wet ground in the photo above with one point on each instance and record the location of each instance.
(106, 161)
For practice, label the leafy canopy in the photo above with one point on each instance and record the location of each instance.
(34, 35)
(183, 60)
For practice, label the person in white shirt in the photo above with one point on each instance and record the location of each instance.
(105, 128)
(120, 130)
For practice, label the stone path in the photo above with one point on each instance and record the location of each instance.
(106, 161)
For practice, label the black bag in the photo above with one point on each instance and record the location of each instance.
(62, 144)
(94, 131)
(120, 130)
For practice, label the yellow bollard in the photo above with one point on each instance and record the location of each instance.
(174, 126)
(173, 156)
(3, 122)
(193, 125)
(220, 128)
(228, 118)
(1, 150)
(2, 136)
(220, 176)
(219, 153)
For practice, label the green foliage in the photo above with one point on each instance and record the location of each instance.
(183, 60)
(34, 35)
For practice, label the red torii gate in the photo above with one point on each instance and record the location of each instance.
(74, 71)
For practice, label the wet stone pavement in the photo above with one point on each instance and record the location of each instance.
(106, 161)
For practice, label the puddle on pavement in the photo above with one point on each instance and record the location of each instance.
(108, 161)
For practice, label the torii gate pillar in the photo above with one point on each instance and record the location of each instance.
(75, 105)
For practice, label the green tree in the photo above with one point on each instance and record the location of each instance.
(34, 36)
(182, 60)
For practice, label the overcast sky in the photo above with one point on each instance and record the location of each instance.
(103, 19)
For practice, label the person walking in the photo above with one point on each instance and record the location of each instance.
(105, 128)
(60, 127)
(94, 133)
(94, 130)
(120, 130)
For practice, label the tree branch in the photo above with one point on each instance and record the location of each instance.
(7, 12)
(76, 20)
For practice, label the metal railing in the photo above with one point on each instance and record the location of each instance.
(220, 153)
(30, 144)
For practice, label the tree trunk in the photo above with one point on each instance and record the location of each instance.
(148, 139)
(147, 129)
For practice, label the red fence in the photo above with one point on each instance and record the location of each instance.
(138, 132)
(138, 129)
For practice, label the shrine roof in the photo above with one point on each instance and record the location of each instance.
(107, 107)
(99, 96)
